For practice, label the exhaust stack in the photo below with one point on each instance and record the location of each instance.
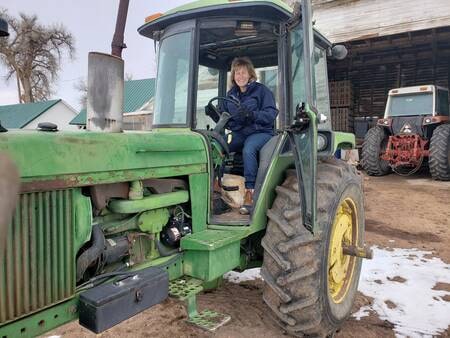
(105, 82)
(105, 93)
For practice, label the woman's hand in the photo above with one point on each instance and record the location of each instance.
(248, 116)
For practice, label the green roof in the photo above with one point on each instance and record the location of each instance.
(136, 94)
(19, 115)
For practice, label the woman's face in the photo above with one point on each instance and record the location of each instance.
(241, 76)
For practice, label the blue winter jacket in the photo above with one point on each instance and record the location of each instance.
(259, 101)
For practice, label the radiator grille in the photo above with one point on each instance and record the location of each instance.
(37, 268)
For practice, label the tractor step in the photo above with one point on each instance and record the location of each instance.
(209, 320)
(186, 289)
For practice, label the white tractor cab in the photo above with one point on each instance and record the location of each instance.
(415, 130)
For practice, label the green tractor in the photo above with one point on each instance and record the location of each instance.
(109, 223)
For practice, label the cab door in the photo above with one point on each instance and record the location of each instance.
(302, 127)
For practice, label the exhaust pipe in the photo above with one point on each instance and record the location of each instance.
(105, 93)
(105, 82)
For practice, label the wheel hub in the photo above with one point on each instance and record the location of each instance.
(340, 266)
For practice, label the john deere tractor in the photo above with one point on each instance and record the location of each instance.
(415, 131)
(109, 223)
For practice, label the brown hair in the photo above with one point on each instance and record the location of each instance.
(243, 62)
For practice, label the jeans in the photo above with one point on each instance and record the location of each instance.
(249, 146)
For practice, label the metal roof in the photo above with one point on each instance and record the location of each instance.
(19, 115)
(136, 94)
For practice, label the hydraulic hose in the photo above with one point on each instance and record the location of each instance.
(91, 254)
(163, 251)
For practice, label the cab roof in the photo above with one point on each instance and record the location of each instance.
(273, 10)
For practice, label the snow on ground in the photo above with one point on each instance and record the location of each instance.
(237, 277)
(401, 282)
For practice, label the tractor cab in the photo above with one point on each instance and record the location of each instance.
(414, 109)
(196, 46)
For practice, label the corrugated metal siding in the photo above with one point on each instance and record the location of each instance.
(38, 267)
(19, 115)
(345, 20)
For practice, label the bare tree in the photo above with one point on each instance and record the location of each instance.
(33, 53)
(81, 86)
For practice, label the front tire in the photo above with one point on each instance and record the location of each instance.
(310, 285)
(374, 145)
(439, 161)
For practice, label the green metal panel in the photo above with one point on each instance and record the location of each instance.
(341, 139)
(210, 239)
(81, 155)
(274, 177)
(83, 219)
(136, 94)
(172, 264)
(211, 253)
(38, 267)
(19, 115)
(76, 180)
(199, 191)
(210, 265)
(41, 322)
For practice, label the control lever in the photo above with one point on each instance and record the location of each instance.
(224, 117)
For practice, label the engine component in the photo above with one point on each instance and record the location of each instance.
(102, 252)
(179, 226)
(93, 253)
(116, 249)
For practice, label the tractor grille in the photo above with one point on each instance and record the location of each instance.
(37, 268)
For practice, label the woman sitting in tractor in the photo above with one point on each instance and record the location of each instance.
(252, 121)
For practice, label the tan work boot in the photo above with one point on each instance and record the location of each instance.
(248, 202)
(216, 186)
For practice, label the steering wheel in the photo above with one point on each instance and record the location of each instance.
(212, 111)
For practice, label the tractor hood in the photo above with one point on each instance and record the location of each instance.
(273, 10)
(68, 159)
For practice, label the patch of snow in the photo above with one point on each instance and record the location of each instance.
(237, 277)
(364, 311)
(420, 311)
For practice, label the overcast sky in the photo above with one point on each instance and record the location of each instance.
(92, 24)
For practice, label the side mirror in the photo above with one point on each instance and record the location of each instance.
(339, 52)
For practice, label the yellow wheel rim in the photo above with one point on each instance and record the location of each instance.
(340, 266)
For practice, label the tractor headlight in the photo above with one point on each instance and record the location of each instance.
(322, 142)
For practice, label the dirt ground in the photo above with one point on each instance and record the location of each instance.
(411, 212)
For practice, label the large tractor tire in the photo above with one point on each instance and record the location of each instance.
(439, 161)
(374, 145)
(310, 285)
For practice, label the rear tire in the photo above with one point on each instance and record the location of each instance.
(439, 161)
(374, 145)
(300, 283)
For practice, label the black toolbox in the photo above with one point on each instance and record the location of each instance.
(107, 305)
